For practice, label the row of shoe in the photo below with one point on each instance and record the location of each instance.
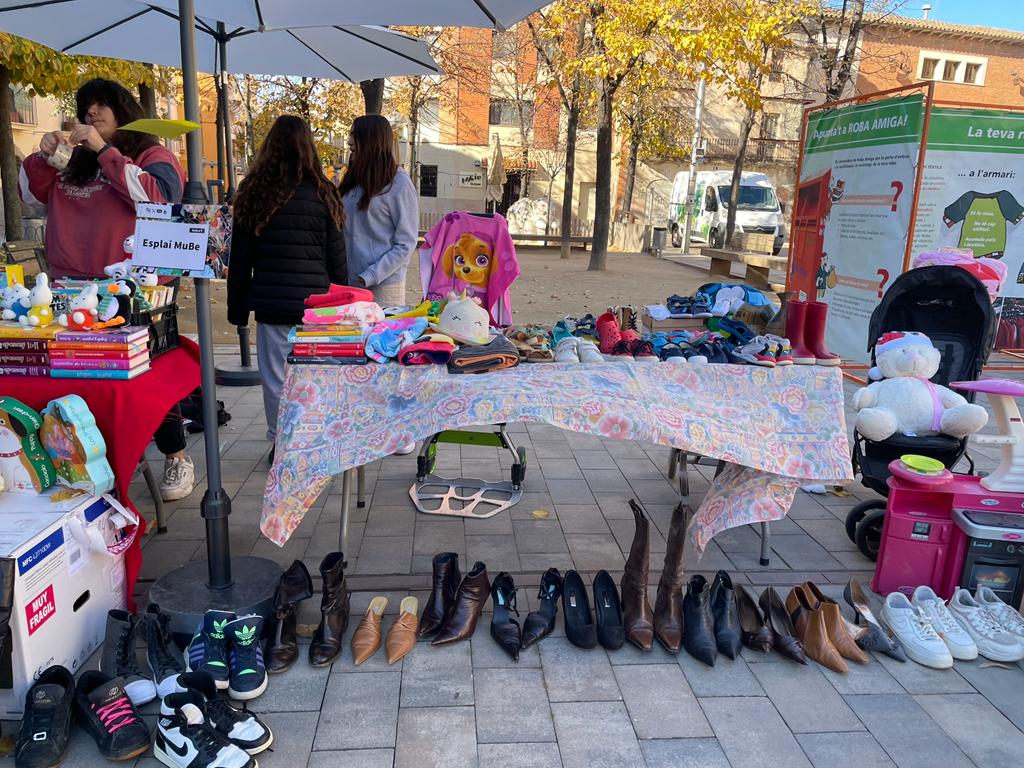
(197, 727)
(935, 633)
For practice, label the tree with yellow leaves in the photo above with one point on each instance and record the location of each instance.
(644, 40)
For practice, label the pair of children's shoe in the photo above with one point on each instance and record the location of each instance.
(230, 649)
(620, 339)
(699, 305)
(766, 351)
(573, 349)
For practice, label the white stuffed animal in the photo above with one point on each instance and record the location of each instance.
(40, 314)
(16, 301)
(905, 402)
(82, 311)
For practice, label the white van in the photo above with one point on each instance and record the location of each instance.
(758, 212)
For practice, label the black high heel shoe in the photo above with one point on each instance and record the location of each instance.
(608, 610)
(504, 629)
(579, 623)
(874, 638)
(541, 622)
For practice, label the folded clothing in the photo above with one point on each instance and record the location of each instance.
(423, 352)
(339, 294)
(498, 354)
(389, 336)
(359, 312)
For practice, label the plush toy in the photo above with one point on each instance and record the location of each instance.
(905, 401)
(82, 309)
(143, 276)
(40, 314)
(16, 302)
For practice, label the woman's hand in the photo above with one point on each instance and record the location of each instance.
(87, 136)
(50, 141)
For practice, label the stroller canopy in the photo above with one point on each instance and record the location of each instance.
(950, 306)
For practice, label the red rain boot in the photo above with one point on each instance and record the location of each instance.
(814, 334)
(796, 319)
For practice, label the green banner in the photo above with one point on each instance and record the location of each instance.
(976, 130)
(888, 121)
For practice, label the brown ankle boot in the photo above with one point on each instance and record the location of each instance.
(294, 587)
(837, 626)
(637, 616)
(326, 643)
(668, 617)
(809, 620)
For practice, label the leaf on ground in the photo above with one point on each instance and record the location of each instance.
(839, 491)
(7, 745)
(540, 514)
(305, 630)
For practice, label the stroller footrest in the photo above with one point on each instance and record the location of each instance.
(994, 439)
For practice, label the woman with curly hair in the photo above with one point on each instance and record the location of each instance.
(91, 210)
(286, 244)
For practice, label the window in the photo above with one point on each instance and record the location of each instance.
(504, 45)
(967, 70)
(769, 126)
(24, 106)
(506, 112)
(776, 73)
(428, 181)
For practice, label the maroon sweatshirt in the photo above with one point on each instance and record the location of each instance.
(86, 226)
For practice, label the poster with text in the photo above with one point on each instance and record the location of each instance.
(852, 211)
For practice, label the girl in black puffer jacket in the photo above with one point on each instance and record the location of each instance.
(286, 245)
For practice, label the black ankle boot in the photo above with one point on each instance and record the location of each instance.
(326, 643)
(541, 622)
(728, 632)
(444, 585)
(698, 625)
(504, 629)
(294, 587)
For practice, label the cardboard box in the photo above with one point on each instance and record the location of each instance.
(695, 324)
(63, 585)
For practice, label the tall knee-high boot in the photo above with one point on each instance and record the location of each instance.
(668, 617)
(326, 643)
(637, 616)
(294, 587)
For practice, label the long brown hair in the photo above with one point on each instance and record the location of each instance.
(373, 165)
(84, 163)
(286, 157)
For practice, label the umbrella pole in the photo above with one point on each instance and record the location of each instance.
(244, 585)
(242, 373)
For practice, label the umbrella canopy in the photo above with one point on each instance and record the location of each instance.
(256, 14)
(129, 30)
(496, 172)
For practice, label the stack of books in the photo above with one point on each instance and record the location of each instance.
(114, 353)
(335, 344)
(24, 351)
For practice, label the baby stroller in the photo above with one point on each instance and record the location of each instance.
(954, 310)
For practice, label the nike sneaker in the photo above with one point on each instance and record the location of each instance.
(247, 673)
(184, 738)
(105, 712)
(208, 650)
(242, 727)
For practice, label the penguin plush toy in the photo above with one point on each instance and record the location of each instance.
(119, 301)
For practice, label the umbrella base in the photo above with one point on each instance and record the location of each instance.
(237, 375)
(185, 595)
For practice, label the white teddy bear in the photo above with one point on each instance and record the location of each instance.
(905, 402)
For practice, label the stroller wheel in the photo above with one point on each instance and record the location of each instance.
(869, 534)
(857, 514)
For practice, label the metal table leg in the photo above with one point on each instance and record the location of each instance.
(346, 508)
(765, 543)
(154, 491)
(360, 486)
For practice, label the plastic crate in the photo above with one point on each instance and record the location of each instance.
(163, 328)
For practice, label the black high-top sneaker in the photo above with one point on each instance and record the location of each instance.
(46, 726)
(243, 727)
(184, 738)
(165, 660)
(119, 660)
(105, 712)
(208, 651)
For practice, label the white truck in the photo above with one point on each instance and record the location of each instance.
(758, 210)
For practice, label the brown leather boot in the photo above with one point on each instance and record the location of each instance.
(445, 584)
(326, 643)
(637, 616)
(668, 616)
(294, 587)
(469, 602)
(837, 626)
(809, 621)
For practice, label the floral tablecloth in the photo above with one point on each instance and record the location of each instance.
(781, 428)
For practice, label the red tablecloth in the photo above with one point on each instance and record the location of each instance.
(127, 413)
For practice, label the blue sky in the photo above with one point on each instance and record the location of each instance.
(1007, 14)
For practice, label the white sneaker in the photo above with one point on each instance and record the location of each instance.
(405, 450)
(952, 632)
(179, 479)
(1008, 619)
(993, 641)
(588, 351)
(567, 350)
(920, 641)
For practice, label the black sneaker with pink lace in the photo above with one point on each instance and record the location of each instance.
(106, 713)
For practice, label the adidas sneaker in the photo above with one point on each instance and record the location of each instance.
(184, 738)
(247, 672)
(208, 650)
(242, 727)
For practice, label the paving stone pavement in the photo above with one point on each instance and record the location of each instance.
(471, 705)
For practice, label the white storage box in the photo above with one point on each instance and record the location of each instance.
(65, 581)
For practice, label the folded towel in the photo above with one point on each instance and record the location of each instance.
(498, 354)
(426, 353)
(339, 294)
(359, 312)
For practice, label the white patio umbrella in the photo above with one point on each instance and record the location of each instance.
(270, 14)
(124, 29)
(496, 176)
